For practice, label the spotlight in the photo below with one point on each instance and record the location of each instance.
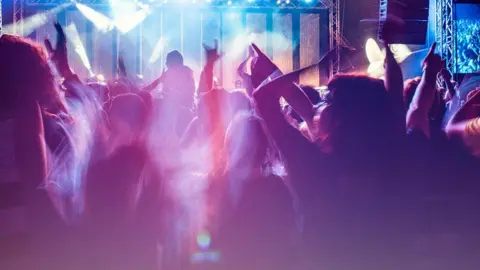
(209, 1)
(287, 2)
(100, 77)
(101, 22)
(308, 1)
(251, 1)
(157, 50)
(229, 2)
(279, 2)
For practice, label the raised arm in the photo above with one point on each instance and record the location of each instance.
(461, 120)
(74, 87)
(242, 71)
(154, 84)
(447, 79)
(297, 151)
(394, 78)
(285, 87)
(206, 78)
(418, 113)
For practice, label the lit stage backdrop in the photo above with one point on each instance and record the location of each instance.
(293, 38)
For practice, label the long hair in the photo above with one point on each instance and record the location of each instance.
(246, 143)
(361, 114)
(25, 73)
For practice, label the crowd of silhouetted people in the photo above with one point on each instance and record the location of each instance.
(177, 174)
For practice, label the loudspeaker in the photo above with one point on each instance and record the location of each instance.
(414, 17)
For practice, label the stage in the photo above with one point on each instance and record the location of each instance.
(293, 35)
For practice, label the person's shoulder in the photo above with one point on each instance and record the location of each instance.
(188, 69)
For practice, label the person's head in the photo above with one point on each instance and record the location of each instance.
(174, 59)
(148, 99)
(410, 86)
(356, 116)
(213, 104)
(118, 88)
(246, 143)
(25, 73)
(127, 114)
(101, 89)
(239, 102)
(312, 94)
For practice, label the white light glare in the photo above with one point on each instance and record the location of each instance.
(157, 50)
(101, 22)
(134, 19)
(74, 39)
(229, 2)
(30, 24)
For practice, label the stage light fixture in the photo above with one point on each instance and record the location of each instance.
(75, 41)
(31, 23)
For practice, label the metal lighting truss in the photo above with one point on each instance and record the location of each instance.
(289, 4)
(18, 17)
(336, 38)
(445, 32)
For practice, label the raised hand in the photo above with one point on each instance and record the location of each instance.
(446, 75)
(433, 63)
(389, 27)
(262, 58)
(58, 55)
(212, 54)
(251, 52)
(262, 68)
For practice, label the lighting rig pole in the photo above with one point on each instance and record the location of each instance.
(445, 32)
(333, 6)
(335, 35)
(18, 17)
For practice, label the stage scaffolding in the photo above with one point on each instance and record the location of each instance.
(445, 32)
(335, 35)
